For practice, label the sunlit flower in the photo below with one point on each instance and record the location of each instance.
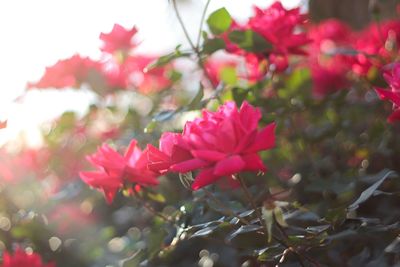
(23, 259)
(279, 27)
(119, 39)
(71, 72)
(172, 150)
(220, 144)
(114, 170)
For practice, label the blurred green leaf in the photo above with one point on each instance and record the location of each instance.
(212, 45)
(249, 41)
(228, 75)
(166, 59)
(196, 101)
(219, 21)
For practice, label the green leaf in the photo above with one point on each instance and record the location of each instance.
(212, 45)
(249, 41)
(150, 127)
(205, 231)
(219, 21)
(242, 230)
(174, 76)
(366, 194)
(196, 101)
(166, 59)
(228, 75)
(278, 213)
(268, 216)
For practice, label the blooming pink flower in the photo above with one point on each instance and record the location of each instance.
(279, 27)
(23, 259)
(119, 39)
(392, 77)
(71, 72)
(220, 144)
(114, 170)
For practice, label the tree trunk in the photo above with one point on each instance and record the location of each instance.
(356, 13)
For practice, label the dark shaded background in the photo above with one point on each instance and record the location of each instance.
(357, 13)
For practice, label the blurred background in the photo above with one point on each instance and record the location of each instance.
(37, 34)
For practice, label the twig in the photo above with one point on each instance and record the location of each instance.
(183, 25)
(203, 16)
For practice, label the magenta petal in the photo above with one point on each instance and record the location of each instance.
(264, 140)
(388, 95)
(109, 195)
(100, 180)
(189, 165)
(209, 155)
(130, 149)
(229, 166)
(249, 116)
(253, 163)
(204, 178)
(395, 116)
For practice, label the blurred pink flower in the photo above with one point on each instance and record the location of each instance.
(133, 73)
(328, 77)
(23, 259)
(65, 216)
(376, 45)
(71, 72)
(279, 27)
(329, 66)
(119, 39)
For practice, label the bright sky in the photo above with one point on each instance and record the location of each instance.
(36, 34)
